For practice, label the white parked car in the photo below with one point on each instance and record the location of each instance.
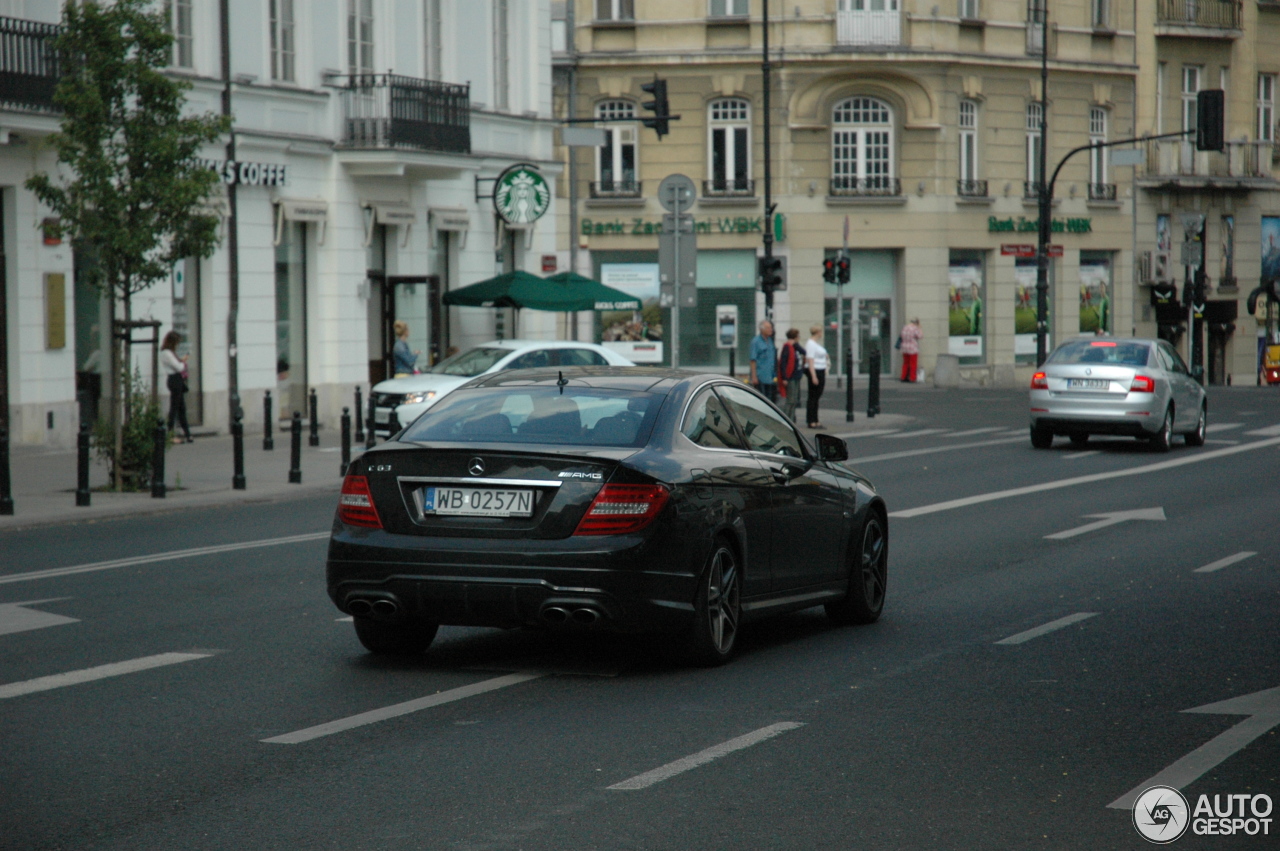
(409, 396)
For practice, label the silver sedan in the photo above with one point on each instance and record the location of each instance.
(1131, 387)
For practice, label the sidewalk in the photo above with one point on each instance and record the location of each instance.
(199, 474)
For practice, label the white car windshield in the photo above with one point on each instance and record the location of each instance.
(471, 362)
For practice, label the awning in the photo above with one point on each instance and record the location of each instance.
(562, 293)
(453, 219)
(301, 210)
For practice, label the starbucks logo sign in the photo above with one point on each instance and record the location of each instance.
(521, 195)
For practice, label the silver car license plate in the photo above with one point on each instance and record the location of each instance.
(477, 502)
(1088, 384)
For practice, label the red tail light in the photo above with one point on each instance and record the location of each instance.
(622, 509)
(355, 505)
(1039, 381)
(1142, 384)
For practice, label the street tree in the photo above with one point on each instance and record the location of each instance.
(130, 193)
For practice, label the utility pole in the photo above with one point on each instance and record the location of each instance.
(234, 410)
(1045, 199)
(768, 171)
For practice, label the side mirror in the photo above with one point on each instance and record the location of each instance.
(832, 448)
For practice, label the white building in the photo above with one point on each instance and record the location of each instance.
(368, 137)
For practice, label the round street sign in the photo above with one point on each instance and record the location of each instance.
(676, 190)
(521, 194)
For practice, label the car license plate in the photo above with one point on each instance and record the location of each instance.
(1088, 383)
(381, 416)
(477, 502)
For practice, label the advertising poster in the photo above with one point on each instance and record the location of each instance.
(1270, 247)
(1164, 239)
(636, 335)
(1024, 311)
(965, 310)
(1095, 295)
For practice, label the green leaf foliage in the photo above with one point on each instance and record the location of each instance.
(137, 447)
(133, 188)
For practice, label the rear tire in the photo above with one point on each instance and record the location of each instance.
(717, 608)
(1163, 439)
(1196, 437)
(1041, 438)
(395, 639)
(868, 577)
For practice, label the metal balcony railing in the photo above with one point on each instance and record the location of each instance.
(1102, 192)
(1031, 190)
(627, 188)
(390, 111)
(971, 188)
(1210, 14)
(29, 66)
(864, 27)
(733, 187)
(1178, 158)
(859, 186)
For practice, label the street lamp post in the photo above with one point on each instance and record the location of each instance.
(1044, 196)
(768, 158)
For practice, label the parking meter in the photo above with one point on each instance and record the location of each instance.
(726, 326)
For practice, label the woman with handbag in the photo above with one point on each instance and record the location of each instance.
(175, 370)
(909, 342)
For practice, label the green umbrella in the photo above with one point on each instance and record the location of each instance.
(562, 293)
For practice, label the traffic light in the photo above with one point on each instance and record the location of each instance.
(659, 106)
(1210, 106)
(842, 270)
(829, 270)
(771, 274)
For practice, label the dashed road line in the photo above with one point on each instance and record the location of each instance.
(1224, 562)
(973, 431)
(1214, 428)
(671, 769)
(875, 432)
(1074, 455)
(101, 672)
(917, 433)
(1045, 629)
(1270, 431)
(890, 456)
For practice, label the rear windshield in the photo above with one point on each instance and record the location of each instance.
(471, 362)
(539, 415)
(1105, 352)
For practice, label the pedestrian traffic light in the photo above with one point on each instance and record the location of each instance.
(842, 270)
(659, 106)
(1210, 106)
(829, 270)
(771, 274)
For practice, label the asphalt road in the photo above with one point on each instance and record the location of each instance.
(1017, 686)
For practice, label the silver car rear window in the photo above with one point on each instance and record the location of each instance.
(1105, 352)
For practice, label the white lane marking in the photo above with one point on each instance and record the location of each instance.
(1074, 455)
(875, 432)
(890, 456)
(1224, 562)
(1081, 480)
(347, 619)
(1263, 709)
(1044, 629)
(973, 431)
(917, 433)
(15, 617)
(396, 710)
(1213, 428)
(1270, 431)
(154, 557)
(1222, 442)
(671, 769)
(1110, 518)
(86, 675)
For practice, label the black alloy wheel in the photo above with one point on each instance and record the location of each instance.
(868, 578)
(717, 608)
(1196, 438)
(1041, 438)
(1163, 439)
(395, 639)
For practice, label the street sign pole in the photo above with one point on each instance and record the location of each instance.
(677, 274)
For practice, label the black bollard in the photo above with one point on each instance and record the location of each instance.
(295, 449)
(237, 454)
(314, 440)
(359, 408)
(372, 436)
(82, 464)
(873, 381)
(6, 494)
(732, 352)
(268, 425)
(157, 461)
(393, 424)
(848, 389)
(346, 440)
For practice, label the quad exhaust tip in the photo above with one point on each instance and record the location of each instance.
(377, 607)
(555, 614)
(586, 617)
(580, 615)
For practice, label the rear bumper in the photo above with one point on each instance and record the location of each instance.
(1134, 414)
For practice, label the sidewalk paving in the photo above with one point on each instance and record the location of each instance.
(199, 474)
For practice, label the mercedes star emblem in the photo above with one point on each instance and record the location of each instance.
(476, 467)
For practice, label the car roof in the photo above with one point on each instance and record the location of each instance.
(515, 345)
(629, 378)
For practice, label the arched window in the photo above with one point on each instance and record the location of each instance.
(729, 148)
(862, 148)
(616, 158)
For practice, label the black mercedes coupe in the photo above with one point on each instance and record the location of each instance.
(603, 498)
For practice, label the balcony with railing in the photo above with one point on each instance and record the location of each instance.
(29, 67)
(971, 188)
(1199, 17)
(390, 111)
(729, 187)
(625, 188)
(870, 23)
(856, 187)
(1102, 192)
(1176, 164)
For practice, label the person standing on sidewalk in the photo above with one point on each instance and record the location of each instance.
(816, 366)
(911, 335)
(764, 362)
(791, 369)
(175, 369)
(406, 359)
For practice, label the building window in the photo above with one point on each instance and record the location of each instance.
(616, 158)
(968, 144)
(360, 36)
(1037, 19)
(729, 155)
(1266, 107)
(729, 8)
(435, 41)
(1035, 115)
(283, 50)
(179, 14)
(1190, 87)
(969, 10)
(501, 58)
(862, 148)
(1100, 14)
(1100, 186)
(615, 10)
